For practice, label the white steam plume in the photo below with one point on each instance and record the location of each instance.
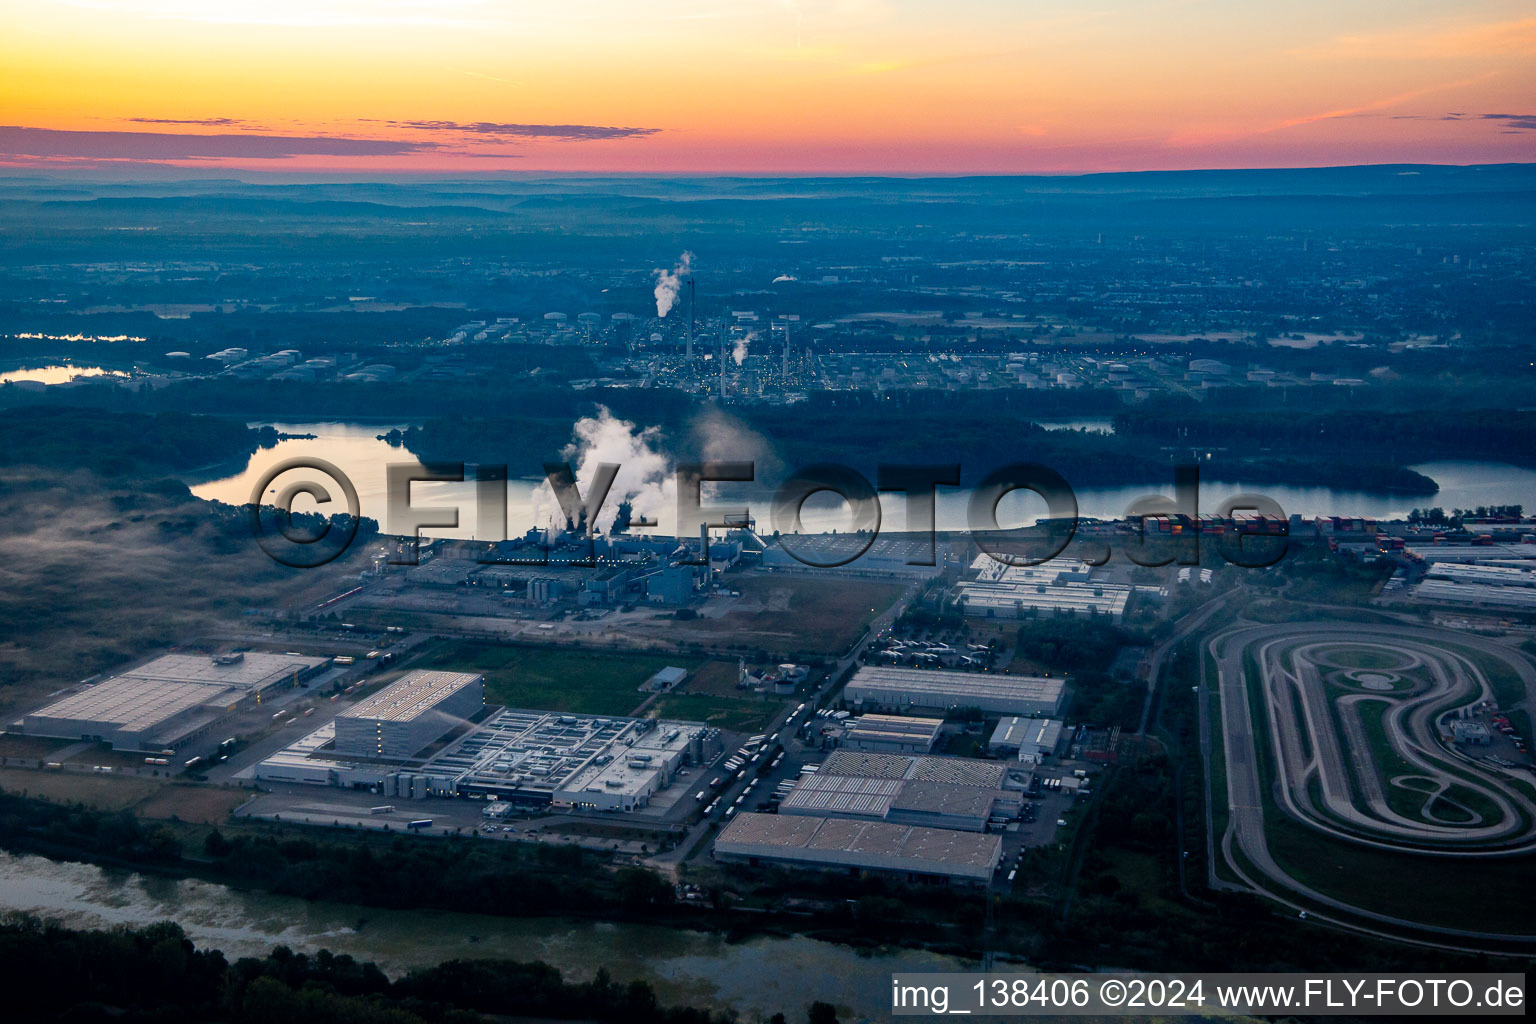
(645, 477)
(669, 282)
(739, 350)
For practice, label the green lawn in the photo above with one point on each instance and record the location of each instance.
(554, 679)
(1364, 658)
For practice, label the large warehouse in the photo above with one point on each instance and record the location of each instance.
(1061, 586)
(404, 717)
(169, 702)
(912, 689)
(901, 801)
(252, 672)
(891, 734)
(957, 771)
(866, 845)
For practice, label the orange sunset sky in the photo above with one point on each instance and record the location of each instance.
(763, 86)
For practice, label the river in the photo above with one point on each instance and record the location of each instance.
(357, 451)
(759, 976)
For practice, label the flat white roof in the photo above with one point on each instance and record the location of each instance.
(940, 681)
(894, 728)
(133, 705)
(253, 669)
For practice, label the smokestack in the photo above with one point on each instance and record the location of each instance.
(786, 350)
(690, 318)
(704, 550)
(724, 335)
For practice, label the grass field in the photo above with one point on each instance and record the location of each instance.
(1426, 889)
(554, 679)
(1364, 658)
(733, 713)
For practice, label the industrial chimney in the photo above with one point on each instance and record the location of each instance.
(690, 318)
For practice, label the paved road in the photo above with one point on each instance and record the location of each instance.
(1187, 625)
(795, 753)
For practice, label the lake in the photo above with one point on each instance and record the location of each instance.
(54, 374)
(357, 450)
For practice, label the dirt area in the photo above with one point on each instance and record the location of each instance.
(98, 792)
(202, 805)
(717, 678)
(35, 748)
(790, 614)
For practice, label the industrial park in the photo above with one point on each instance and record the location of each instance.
(891, 505)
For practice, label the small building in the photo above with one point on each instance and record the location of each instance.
(1465, 730)
(667, 679)
(892, 734)
(1008, 736)
(1041, 739)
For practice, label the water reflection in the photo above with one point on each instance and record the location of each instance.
(358, 450)
(759, 976)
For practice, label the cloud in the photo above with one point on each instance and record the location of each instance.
(1438, 40)
(563, 132)
(1514, 122)
(111, 145)
(204, 122)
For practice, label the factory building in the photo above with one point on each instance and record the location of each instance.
(404, 717)
(891, 734)
(525, 757)
(909, 689)
(673, 585)
(1032, 739)
(1510, 587)
(891, 555)
(860, 846)
(170, 702)
(1022, 601)
(1060, 586)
